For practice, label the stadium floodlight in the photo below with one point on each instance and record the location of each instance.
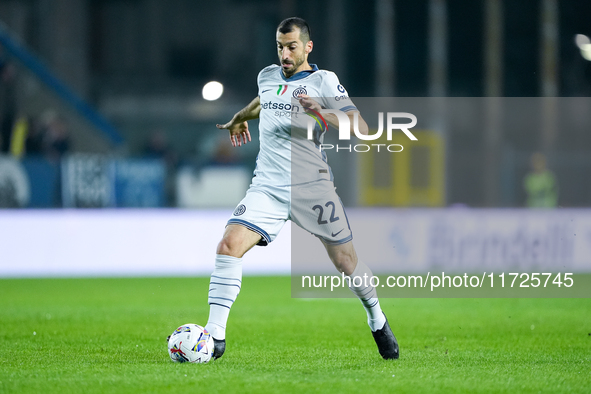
(581, 40)
(584, 44)
(212, 90)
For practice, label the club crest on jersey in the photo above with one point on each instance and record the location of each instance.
(298, 91)
(281, 90)
(240, 209)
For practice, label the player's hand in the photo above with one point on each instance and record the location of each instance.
(239, 133)
(308, 103)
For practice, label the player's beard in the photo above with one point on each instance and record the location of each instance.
(296, 63)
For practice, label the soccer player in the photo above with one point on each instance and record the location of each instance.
(292, 181)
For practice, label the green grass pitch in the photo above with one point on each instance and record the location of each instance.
(108, 335)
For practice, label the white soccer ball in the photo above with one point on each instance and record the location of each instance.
(190, 343)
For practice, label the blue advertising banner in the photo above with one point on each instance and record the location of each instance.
(44, 178)
(139, 183)
(87, 181)
(96, 181)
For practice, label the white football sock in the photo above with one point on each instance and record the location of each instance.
(366, 293)
(224, 287)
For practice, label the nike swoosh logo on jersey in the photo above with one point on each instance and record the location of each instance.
(334, 235)
(265, 91)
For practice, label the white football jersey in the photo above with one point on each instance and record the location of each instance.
(286, 156)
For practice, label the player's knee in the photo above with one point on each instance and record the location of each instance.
(228, 247)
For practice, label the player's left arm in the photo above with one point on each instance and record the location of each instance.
(311, 105)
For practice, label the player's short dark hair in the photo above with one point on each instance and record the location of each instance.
(288, 25)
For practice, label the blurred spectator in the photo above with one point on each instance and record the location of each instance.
(7, 102)
(56, 136)
(540, 184)
(157, 147)
(34, 139)
(224, 154)
(19, 136)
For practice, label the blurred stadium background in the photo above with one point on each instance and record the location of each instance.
(102, 106)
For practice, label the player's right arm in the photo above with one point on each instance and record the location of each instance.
(238, 126)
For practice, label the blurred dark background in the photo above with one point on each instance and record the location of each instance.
(142, 64)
